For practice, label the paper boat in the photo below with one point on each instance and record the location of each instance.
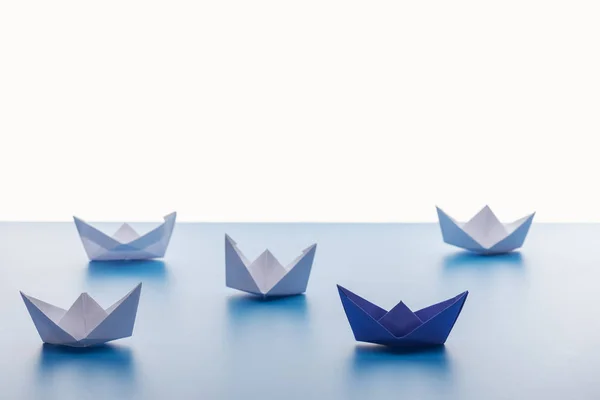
(265, 276)
(484, 233)
(126, 243)
(85, 323)
(400, 327)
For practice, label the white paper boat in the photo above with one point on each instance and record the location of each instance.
(484, 233)
(126, 243)
(265, 276)
(86, 323)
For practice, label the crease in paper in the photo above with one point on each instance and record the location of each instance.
(401, 327)
(484, 233)
(126, 243)
(266, 276)
(85, 323)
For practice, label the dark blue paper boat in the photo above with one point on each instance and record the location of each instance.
(400, 327)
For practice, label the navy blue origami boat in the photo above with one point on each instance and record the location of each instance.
(400, 327)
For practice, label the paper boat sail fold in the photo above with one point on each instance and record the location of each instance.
(265, 276)
(85, 323)
(401, 327)
(126, 243)
(484, 233)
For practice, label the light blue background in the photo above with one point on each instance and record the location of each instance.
(529, 328)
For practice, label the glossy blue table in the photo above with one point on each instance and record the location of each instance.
(529, 329)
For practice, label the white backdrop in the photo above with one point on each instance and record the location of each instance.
(313, 110)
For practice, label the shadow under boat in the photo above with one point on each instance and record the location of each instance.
(259, 317)
(152, 269)
(466, 259)
(247, 305)
(376, 371)
(367, 356)
(116, 361)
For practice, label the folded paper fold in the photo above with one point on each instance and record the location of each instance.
(400, 327)
(265, 276)
(484, 233)
(85, 323)
(126, 243)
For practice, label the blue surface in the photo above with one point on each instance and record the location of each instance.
(529, 328)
